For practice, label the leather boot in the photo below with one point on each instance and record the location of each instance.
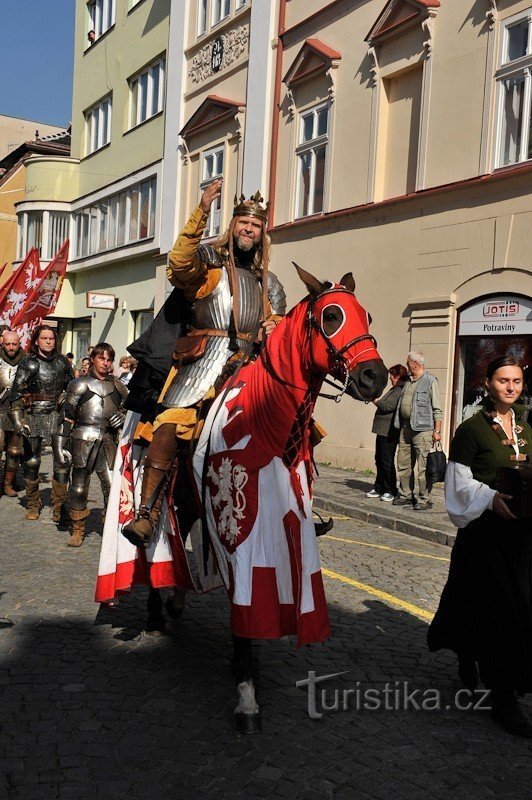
(78, 527)
(9, 479)
(140, 531)
(59, 498)
(509, 714)
(33, 499)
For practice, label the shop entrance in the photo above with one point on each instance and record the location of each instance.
(490, 327)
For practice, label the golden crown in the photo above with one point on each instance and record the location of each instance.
(251, 207)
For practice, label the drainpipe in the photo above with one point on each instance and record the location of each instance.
(276, 111)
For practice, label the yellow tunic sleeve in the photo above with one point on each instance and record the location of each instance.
(185, 270)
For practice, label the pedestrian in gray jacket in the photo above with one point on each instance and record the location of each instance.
(385, 486)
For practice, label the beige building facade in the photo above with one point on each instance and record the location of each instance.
(392, 139)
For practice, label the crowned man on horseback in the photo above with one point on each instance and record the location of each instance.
(236, 301)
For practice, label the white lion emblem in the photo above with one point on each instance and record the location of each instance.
(230, 479)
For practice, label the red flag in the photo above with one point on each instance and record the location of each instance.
(43, 300)
(19, 287)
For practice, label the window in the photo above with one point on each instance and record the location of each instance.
(202, 17)
(98, 126)
(143, 320)
(58, 225)
(311, 156)
(34, 231)
(147, 93)
(213, 165)
(220, 10)
(514, 143)
(120, 219)
(101, 16)
(240, 4)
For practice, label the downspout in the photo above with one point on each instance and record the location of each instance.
(276, 111)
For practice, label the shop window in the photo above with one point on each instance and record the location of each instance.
(146, 92)
(98, 126)
(213, 165)
(514, 143)
(120, 219)
(143, 320)
(311, 155)
(101, 17)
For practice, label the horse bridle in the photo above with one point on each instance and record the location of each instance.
(339, 359)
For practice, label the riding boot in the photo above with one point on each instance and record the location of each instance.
(59, 498)
(33, 499)
(9, 479)
(78, 527)
(140, 531)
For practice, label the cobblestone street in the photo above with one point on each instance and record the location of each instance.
(92, 706)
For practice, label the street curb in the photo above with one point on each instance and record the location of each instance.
(436, 535)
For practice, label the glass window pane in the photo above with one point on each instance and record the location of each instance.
(143, 97)
(93, 229)
(202, 17)
(121, 219)
(514, 90)
(111, 234)
(155, 90)
(104, 217)
(153, 201)
(34, 235)
(323, 116)
(219, 162)
(133, 99)
(305, 162)
(84, 232)
(319, 179)
(306, 127)
(134, 214)
(144, 208)
(517, 40)
(208, 169)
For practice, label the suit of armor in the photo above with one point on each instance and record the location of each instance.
(227, 321)
(34, 398)
(8, 438)
(86, 438)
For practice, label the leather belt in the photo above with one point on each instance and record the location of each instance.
(247, 337)
(37, 398)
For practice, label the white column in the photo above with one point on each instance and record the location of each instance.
(172, 166)
(260, 86)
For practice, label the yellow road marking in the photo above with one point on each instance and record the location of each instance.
(385, 596)
(385, 547)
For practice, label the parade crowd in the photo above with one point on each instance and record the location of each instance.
(485, 614)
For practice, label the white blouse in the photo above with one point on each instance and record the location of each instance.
(465, 498)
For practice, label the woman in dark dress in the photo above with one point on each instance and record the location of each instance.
(485, 612)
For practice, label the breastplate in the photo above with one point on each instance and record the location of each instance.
(214, 311)
(193, 381)
(50, 382)
(93, 414)
(7, 374)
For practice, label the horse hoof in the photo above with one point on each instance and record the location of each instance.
(173, 612)
(156, 626)
(248, 723)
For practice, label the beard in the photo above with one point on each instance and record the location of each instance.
(245, 244)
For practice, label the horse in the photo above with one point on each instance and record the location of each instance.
(253, 469)
(253, 473)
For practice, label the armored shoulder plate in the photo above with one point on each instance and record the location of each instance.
(208, 255)
(120, 388)
(276, 295)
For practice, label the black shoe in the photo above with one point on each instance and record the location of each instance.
(402, 501)
(324, 527)
(468, 672)
(507, 712)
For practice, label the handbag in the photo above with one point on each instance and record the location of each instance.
(436, 464)
(517, 482)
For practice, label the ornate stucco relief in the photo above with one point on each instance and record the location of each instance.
(235, 43)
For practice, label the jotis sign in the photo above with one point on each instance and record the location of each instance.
(500, 315)
(107, 302)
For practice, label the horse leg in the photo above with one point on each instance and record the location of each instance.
(247, 712)
(156, 621)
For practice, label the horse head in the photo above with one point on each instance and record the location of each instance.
(340, 342)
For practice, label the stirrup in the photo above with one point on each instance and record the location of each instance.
(323, 527)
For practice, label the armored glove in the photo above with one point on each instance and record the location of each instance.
(19, 426)
(116, 420)
(62, 456)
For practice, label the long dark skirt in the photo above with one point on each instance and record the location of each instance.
(485, 610)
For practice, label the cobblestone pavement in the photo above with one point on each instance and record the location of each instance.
(91, 706)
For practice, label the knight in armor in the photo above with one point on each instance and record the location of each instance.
(39, 383)
(86, 437)
(11, 354)
(236, 300)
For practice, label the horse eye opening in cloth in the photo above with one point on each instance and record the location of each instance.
(370, 318)
(332, 319)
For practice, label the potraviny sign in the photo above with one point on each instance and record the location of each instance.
(500, 315)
